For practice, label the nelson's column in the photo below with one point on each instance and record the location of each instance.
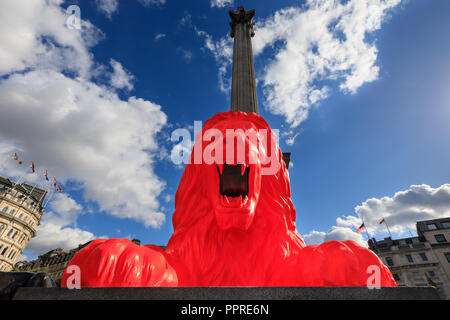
(243, 87)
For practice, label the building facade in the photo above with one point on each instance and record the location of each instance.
(53, 262)
(21, 211)
(419, 261)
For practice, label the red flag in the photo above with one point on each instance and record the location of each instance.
(361, 228)
(16, 157)
(59, 188)
(32, 166)
(46, 174)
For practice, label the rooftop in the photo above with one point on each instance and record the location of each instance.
(35, 193)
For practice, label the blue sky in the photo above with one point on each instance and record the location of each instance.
(366, 118)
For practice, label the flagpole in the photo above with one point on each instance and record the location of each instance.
(46, 191)
(387, 227)
(367, 230)
(17, 183)
(43, 195)
(31, 193)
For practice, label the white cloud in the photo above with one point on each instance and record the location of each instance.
(401, 212)
(52, 236)
(120, 78)
(291, 137)
(314, 237)
(222, 50)
(320, 43)
(419, 202)
(58, 227)
(345, 234)
(80, 130)
(221, 3)
(338, 233)
(108, 7)
(185, 54)
(33, 34)
(147, 3)
(186, 20)
(83, 132)
(324, 41)
(159, 36)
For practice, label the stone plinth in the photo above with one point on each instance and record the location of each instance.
(285, 293)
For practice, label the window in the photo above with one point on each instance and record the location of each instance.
(417, 276)
(9, 233)
(440, 238)
(431, 273)
(5, 209)
(21, 215)
(1, 228)
(389, 261)
(446, 224)
(447, 255)
(402, 242)
(409, 258)
(15, 234)
(432, 226)
(4, 251)
(423, 256)
(12, 211)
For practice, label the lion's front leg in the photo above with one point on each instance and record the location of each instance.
(341, 264)
(121, 263)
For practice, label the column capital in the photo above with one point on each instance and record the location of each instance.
(240, 16)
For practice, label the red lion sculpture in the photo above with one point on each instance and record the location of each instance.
(233, 226)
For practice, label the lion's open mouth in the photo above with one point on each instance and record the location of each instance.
(237, 196)
(234, 184)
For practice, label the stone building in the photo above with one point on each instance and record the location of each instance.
(53, 262)
(21, 209)
(419, 261)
